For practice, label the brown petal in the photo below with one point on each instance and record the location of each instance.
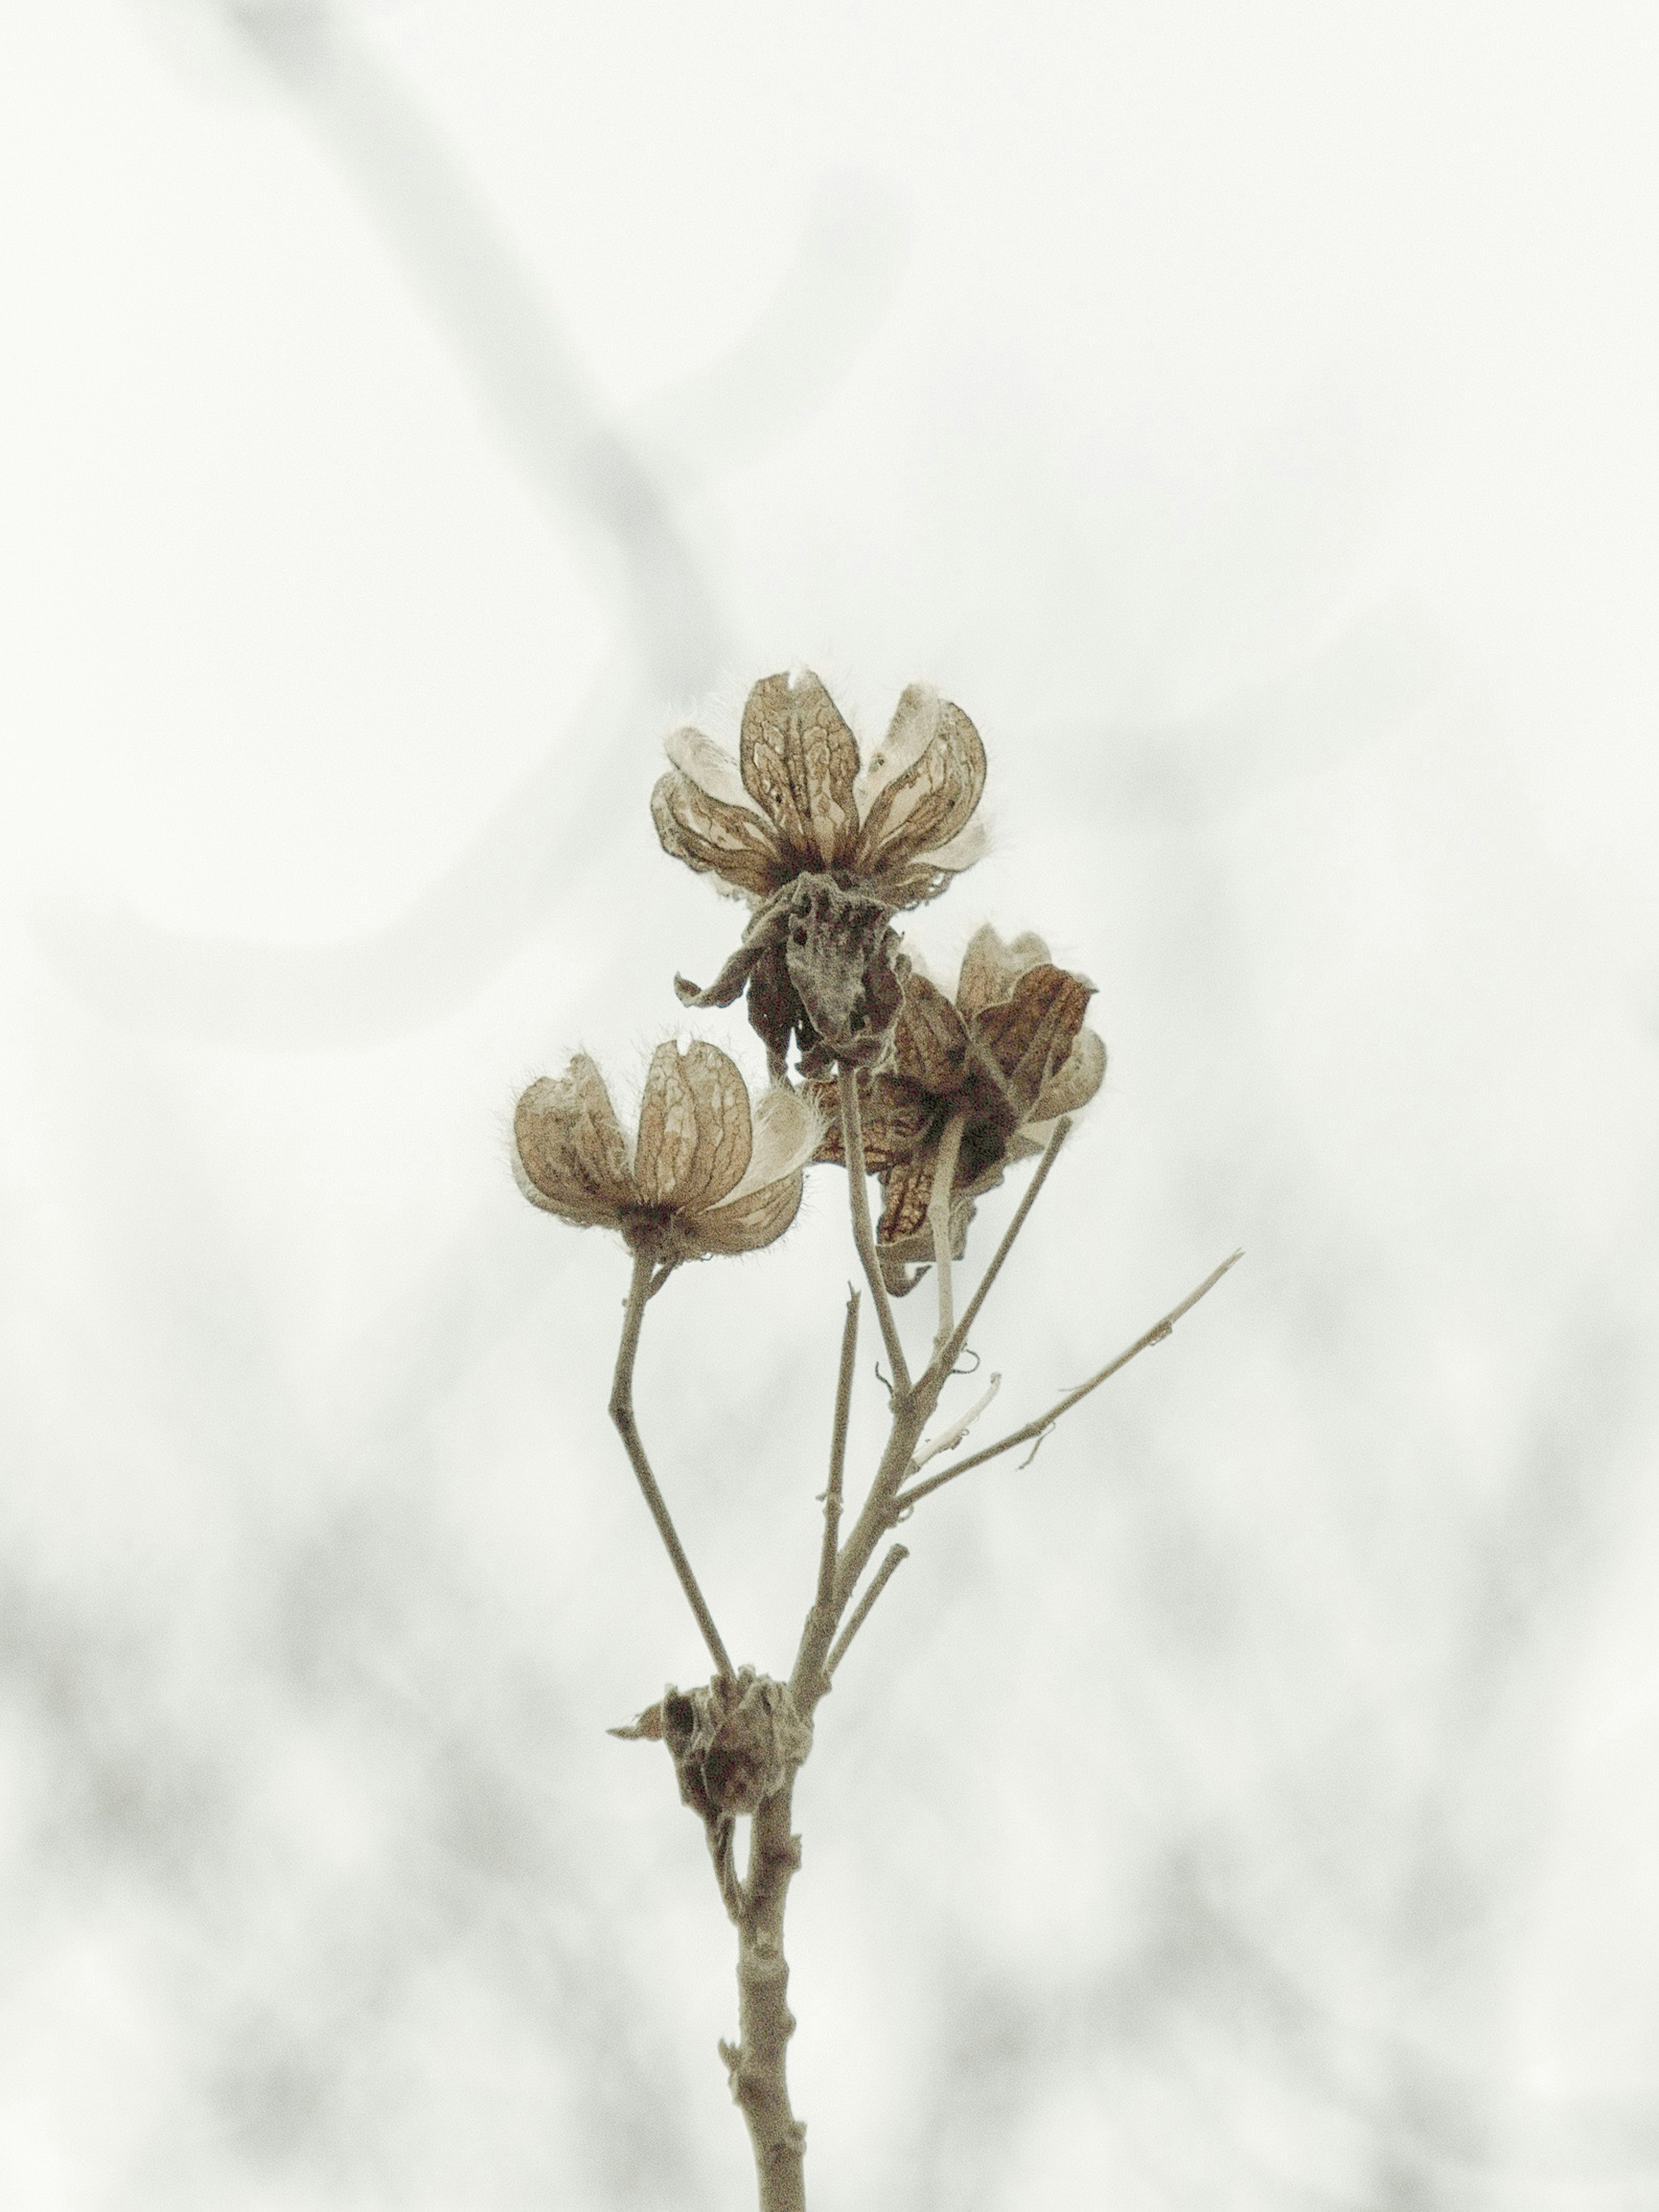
(799, 760)
(734, 842)
(694, 1139)
(1031, 1034)
(924, 783)
(991, 968)
(930, 1040)
(570, 1147)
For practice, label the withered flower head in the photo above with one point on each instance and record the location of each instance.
(826, 848)
(706, 1172)
(1007, 1059)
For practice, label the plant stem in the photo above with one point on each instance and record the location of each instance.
(758, 2065)
(852, 1145)
(947, 1358)
(888, 1567)
(939, 1217)
(621, 1412)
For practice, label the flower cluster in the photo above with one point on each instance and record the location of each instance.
(826, 847)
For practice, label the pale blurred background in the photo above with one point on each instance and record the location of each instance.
(407, 413)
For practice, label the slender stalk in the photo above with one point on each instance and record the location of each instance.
(864, 1236)
(951, 1352)
(849, 1341)
(939, 1220)
(621, 1412)
(888, 1567)
(1036, 1429)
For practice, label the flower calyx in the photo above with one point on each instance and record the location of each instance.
(708, 1172)
(1003, 1061)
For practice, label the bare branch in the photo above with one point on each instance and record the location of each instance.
(888, 1567)
(852, 1143)
(621, 1412)
(1040, 1427)
(947, 1358)
(953, 1437)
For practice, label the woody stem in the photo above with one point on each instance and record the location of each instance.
(621, 1412)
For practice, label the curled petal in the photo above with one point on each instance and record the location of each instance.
(570, 1154)
(727, 986)
(709, 766)
(1073, 1084)
(695, 1139)
(712, 837)
(788, 1129)
(800, 760)
(923, 784)
(991, 968)
(1030, 1035)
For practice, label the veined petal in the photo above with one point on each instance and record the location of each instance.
(569, 1152)
(709, 766)
(991, 968)
(930, 1040)
(694, 1141)
(750, 1219)
(799, 762)
(923, 783)
(1030, 1035)
(731, 841)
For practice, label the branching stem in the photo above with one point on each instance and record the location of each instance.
(888, 1567)
(621, 1412)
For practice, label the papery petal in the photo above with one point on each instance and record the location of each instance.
(991, 968)
(570, 1154)
(787, 1130)
(709, 766)
(895, 1118)
(750, 1218)
(1030, 1035)
(799, 761)
(924, 782)
(930, 1040)
(695, 1139)
(1075, 1082)
(733, 842)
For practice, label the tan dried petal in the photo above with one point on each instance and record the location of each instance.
(800, 760)
(569, 1152)
(1075, 1082)
(991, 968)
(907, 1188)
(925, 781)
(754, 1217)
(695, 1138)
(1031, 1034)
(733, 842)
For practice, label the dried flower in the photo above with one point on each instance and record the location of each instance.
(826, 849)
(707, 1172)
(1005, 1061)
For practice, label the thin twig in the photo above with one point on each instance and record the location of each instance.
(939, 1220)
(884, 1573)
(1039, 1428)
(951, 1352)
(852, 1144)
(621, 1412)
(849, 1342)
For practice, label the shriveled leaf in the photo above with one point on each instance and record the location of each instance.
(928, 793)
(800, 760)
(694, 1139)
(570, 1147)
(727, 986)
(733, 842)
(1031, 1034)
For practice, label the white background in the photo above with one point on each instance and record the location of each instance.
(407, 413)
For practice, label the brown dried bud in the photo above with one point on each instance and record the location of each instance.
(733, 1742)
